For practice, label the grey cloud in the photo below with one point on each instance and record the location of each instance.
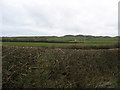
(51, 17)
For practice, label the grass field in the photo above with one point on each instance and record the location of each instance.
(88, 62)
(36, 67)
(34, 44)
(78, 42)
(64, 39)
(90, 45)
(82, 39)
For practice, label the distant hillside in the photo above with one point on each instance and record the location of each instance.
(88, 36)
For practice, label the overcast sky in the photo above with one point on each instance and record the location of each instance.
(59, 17)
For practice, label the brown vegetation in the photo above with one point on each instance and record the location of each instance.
(35, 67)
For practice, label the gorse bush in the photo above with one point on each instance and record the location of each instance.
(35, 67)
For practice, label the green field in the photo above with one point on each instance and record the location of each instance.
(34, 44)
(87, 43)
(64, 45)
(64, 42)
(64, 39)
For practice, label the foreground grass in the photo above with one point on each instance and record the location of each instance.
(117, 84)
(35, 67)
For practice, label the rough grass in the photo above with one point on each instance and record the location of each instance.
(34, 67)
(117, 82)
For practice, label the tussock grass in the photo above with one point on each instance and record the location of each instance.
(36, 67)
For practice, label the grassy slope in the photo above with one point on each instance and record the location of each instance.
(29, 67)
(81, 39)
(78, 39)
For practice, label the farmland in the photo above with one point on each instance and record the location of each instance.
(54, 62)
(63, 42)
(81, 39)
